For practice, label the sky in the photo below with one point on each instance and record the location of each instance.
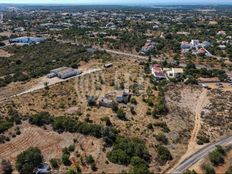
(144, 2)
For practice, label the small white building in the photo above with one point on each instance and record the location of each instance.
(222, 47)
(173, 72)
(195, 43)
(63, 72)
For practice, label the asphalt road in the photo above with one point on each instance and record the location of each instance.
(189, 161)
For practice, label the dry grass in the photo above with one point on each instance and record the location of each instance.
(68, 98)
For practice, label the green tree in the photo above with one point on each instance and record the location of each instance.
(54, 163)
(139, 166)
(217, 156)
(161, 138)
(65, 159)
(163, 153)
(208, 169)
(121, 114)
(28, 160)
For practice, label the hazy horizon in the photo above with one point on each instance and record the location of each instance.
(120, 2)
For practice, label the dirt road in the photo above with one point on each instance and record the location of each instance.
(50, 82)
(197, 126)
(192, 145)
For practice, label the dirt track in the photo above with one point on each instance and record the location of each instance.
(192, 145)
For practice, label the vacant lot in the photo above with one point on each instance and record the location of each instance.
(69, 99)
(4, 53)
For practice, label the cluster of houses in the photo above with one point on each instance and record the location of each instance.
(121, 96)
(27, 40)
(224, 40)
(165, 73)
(149, 45)
(196, 47)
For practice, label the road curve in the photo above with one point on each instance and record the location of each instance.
(189, 161)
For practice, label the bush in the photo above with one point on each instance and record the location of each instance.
(163, 153)
(133, 101)
(74, 170)
(139, 166)
(160, 107)
(107, 121)
(89, 159)
(93, 166)
(115, 107)
(132, 109)
(28, 160)
(65, 159)
(54, 163)
(202, 139)
(163, 125)
(92, 101)
(40, 119)
(121, 114)
(208, 169)
(5, 124)
(109, 135)
(217, 156)
(71, 148)
(118, 156)
(161, 138)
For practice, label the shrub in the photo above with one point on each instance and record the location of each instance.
(132, 109)
(163, 153)
(208, 169)
(107, 121)
(163, 125)
(5, 124)
(115, 107)
(28, 160)
(139, 166)
(71, 148)
(121, 114)
(65, 159)
(40, 119)
(74, 170)
(133, 101)
(54, 163)
(217, 156)
(89, 159)
(202, 139)
(161, 138)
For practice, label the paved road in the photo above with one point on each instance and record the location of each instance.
(134, 55)
(189, 161)
(113, 51)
